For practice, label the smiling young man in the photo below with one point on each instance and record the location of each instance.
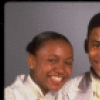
(94, 50)
(87, 86)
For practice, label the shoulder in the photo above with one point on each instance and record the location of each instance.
(9, 91)
(68, 86)
(75, 80)
(72, 83)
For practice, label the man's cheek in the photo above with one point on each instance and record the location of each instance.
(92, 53)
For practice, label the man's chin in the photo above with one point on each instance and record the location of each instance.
(97, 72)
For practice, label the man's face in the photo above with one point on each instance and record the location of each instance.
(94, 50)
(52, 65)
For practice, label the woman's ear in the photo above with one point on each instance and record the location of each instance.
(31, 61)
(86, 45)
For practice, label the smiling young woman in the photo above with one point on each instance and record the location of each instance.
(50, 59)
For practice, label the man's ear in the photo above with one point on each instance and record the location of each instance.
(31, 61)
(86, 46)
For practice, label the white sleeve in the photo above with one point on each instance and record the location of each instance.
(8, 94)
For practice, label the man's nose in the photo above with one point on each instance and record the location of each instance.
(98, 53)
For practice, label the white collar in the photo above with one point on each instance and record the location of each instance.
(94, 79)
(25, 79)
(35, 85)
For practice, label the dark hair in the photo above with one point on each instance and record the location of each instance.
(94, 22)
(38, 41)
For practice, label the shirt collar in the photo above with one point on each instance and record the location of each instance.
(94, 77)
(49, 94)
(34, 85)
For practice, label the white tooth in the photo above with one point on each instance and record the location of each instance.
(56, 78)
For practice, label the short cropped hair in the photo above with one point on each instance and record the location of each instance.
(93, 23)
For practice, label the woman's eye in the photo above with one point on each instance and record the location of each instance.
(52, 60)
(68, 63)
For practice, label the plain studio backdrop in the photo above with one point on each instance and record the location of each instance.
(23, 20)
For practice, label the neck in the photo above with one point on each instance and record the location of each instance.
(94, 73)
(44, 91)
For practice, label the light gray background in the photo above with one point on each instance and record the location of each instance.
(23, 20)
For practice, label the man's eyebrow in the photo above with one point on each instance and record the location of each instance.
(96, 41)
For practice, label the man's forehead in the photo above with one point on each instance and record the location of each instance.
(95, 36)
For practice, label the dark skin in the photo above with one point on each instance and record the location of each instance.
(52, 65)
(94, 50)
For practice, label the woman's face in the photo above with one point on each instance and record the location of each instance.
(52, 65)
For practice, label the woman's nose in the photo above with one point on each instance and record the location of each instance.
(60, 68)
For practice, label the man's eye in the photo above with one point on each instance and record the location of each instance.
(96, 45)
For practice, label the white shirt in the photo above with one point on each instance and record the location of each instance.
(21, 90)
(95, 87)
